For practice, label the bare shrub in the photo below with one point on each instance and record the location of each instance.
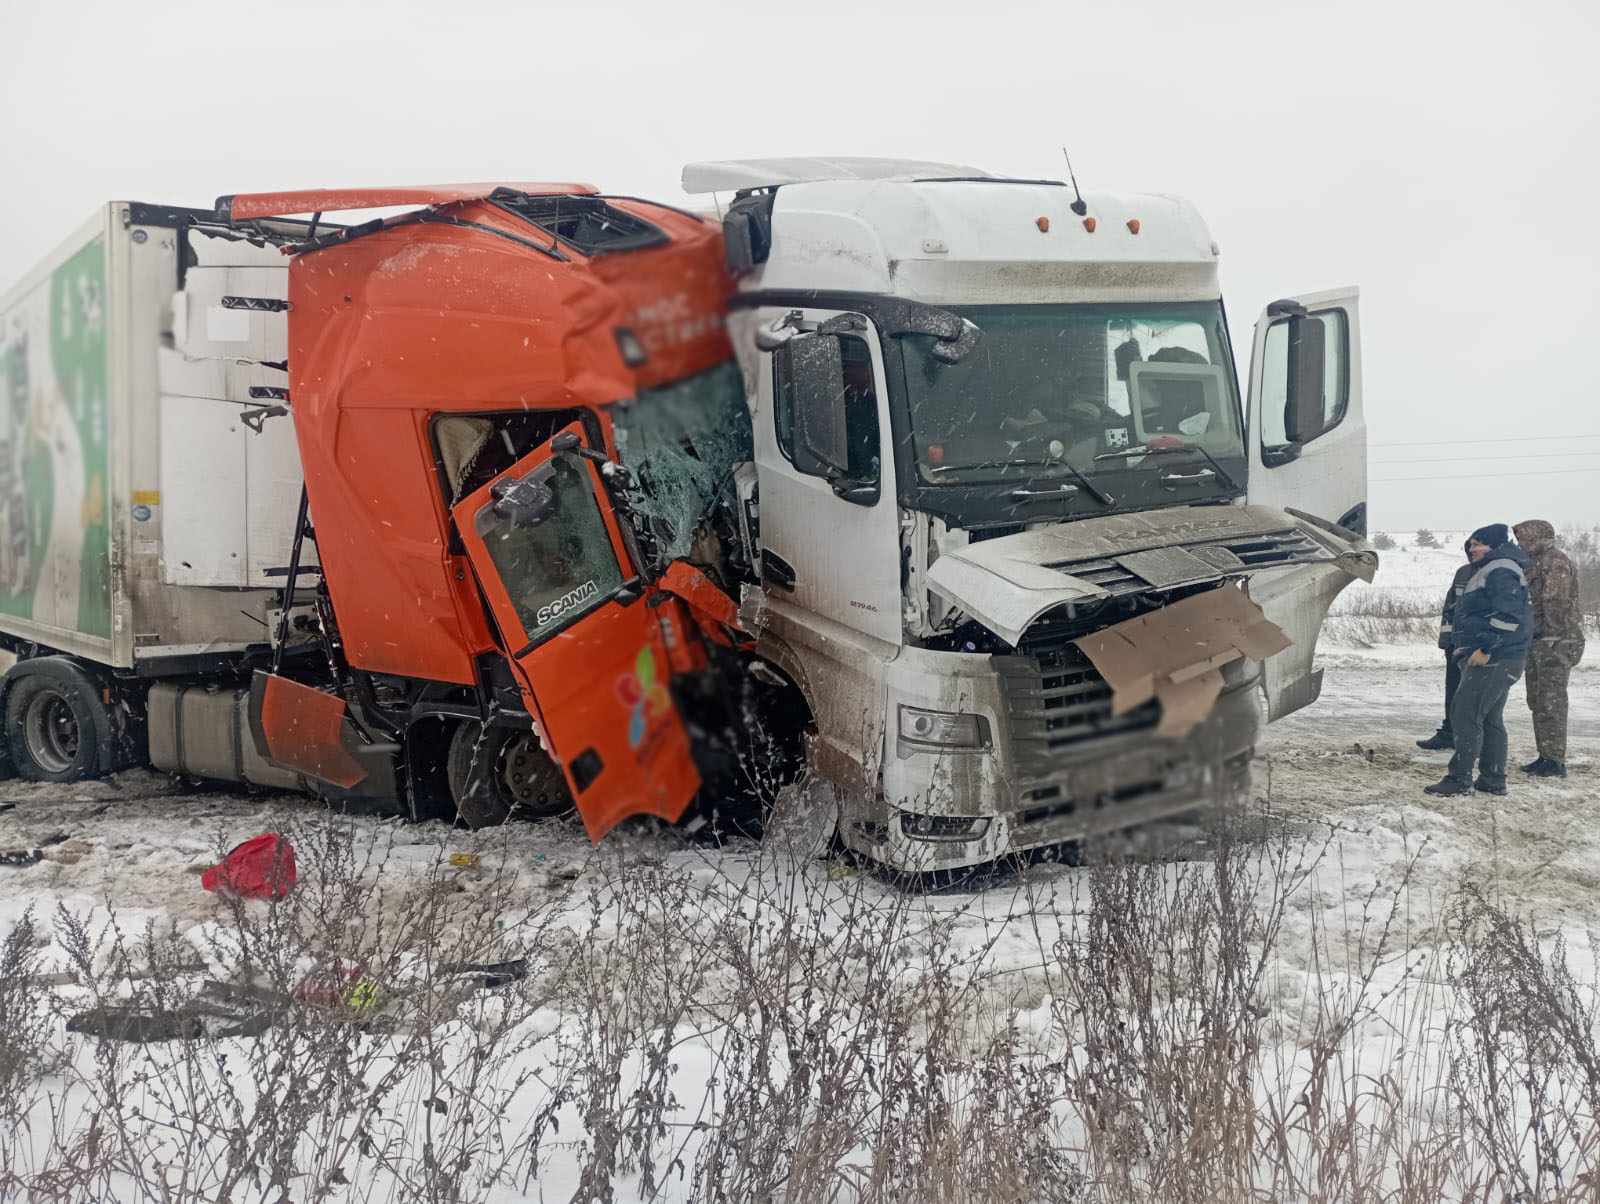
(1524, 1069)
(1226, 1014)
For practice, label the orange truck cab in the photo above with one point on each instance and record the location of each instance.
(517, 413)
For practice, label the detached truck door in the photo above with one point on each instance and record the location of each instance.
(1308, 452)
(549, 554)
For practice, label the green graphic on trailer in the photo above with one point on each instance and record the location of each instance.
(54, 533)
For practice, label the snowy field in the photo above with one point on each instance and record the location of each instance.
(1345, 989)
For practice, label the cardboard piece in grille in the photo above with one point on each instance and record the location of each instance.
(1174, 654)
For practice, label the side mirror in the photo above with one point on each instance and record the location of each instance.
(814, 364)
(568, 441)
(1305, 406)
(525, 502)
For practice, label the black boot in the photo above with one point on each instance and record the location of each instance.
(1443, 738)
(1544, 767)
(1448, 787)
(1485, 786)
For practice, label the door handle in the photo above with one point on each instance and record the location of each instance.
(1198, 475)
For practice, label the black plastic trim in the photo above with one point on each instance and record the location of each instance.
(585, 768)
(171, 217)
(776, 570)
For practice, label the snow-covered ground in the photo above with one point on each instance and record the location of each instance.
(663, 960)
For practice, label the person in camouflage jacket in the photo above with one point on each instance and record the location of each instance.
(1557, 642)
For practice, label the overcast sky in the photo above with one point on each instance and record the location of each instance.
(1441, 156)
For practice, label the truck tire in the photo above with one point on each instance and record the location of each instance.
(497, 770)
(56, 728)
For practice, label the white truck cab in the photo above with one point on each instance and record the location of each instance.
(992, 417)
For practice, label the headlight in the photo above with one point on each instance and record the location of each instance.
(942, 729)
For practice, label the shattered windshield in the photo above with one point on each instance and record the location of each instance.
(1054, 385)
(681, 442)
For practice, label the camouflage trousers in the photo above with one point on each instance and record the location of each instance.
(1549, 663)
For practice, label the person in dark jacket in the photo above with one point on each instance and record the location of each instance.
(1493, 626)
(1445, 737)
(1557, 642)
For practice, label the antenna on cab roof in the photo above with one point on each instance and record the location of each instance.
(1078, 206)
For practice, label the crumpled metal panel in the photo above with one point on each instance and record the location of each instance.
(1008, 583)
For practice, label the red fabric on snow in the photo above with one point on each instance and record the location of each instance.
(261, 868)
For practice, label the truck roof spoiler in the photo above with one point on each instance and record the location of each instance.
(246, 205)
(736, 174)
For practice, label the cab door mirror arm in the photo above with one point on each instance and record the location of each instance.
(1277, 457)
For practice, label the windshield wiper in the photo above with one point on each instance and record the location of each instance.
(1104, 497)
(1025, 493)
(1127, 453)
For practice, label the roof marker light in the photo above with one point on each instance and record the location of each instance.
(1133, 225)
(1088, 224)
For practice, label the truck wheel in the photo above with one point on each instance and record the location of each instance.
(53, 728)
(491, 771)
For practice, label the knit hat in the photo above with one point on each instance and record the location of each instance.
(1493, 535)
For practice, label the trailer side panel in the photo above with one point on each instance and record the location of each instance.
(55, 441)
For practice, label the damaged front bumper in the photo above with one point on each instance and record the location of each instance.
(1056, 766)
(1046, 757)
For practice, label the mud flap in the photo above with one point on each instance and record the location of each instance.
(308, 731)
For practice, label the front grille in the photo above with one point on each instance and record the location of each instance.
(1278, 547)
(1107, 574)
(1056, 699)
(1238, 554)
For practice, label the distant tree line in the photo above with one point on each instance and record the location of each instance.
(1584, 548)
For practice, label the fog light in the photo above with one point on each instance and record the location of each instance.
(942, 827)
(942, 729)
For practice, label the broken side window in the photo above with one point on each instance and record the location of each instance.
(473, 449)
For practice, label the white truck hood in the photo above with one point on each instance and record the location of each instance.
(1007, 583)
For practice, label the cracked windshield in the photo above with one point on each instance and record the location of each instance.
(1085, 386)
